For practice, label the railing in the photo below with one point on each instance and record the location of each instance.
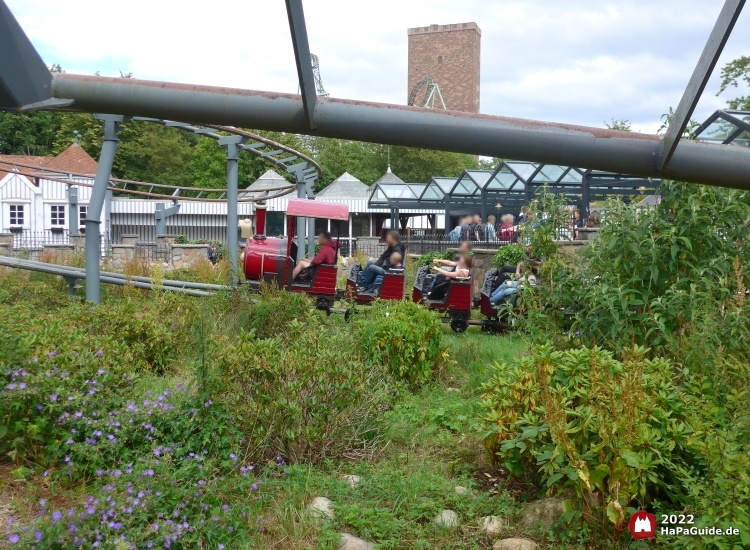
(36, 240)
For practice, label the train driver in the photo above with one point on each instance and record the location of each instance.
(326, 255)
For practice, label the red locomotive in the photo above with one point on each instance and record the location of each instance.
(272, 259)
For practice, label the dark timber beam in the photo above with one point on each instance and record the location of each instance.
(302, 55)
(716, 41)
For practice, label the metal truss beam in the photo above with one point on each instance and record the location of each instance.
(710, 56)
(304, 62)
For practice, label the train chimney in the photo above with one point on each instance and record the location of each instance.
(260, 220)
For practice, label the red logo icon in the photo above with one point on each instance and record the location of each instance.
(642, 525)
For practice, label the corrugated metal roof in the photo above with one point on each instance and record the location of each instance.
(268, 180)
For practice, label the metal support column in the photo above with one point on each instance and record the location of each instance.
(585, 196)
(73, 220)
(301, 47)
(231, 142)
(301, 224)
(483, 208)
(161, 214)
(311, 237)
(448, 227)
(96, 204)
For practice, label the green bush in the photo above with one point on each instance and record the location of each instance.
(275, 310)
(304, 395)
(510, 254)
(403, 336)
(607, 429)
(426, 259)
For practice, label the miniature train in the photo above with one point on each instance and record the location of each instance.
(272, 260)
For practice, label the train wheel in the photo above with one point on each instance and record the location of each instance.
(459, 324)
(323, 305)
(488, 327)
(348, 314)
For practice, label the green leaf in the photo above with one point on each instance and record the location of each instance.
(3, 430)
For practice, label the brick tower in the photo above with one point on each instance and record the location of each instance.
(449, 55)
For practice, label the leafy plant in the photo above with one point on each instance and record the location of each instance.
(403, 336)
(303, 395)
(510, 254)
(426, 259)
(614, 432)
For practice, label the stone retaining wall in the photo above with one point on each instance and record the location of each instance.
(187, 255)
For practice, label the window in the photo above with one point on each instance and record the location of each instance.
(82, 215)
(16, 214)
(57, 214)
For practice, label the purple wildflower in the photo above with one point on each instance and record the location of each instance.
(53, 397)
(56, 516)
(99, 353)
(13, 538)
(53, 353)
(11, 386)
(38, 536)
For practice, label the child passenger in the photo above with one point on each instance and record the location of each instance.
(395, 261)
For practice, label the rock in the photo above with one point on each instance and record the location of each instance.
(352, 480)
(350, 542)
(321, 507)
(491, 526)
(447, 519)
(515, 544)
(453, 389)
(462, 490)
(544, 511)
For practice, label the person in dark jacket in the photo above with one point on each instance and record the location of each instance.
(326, 254)
(379, 266)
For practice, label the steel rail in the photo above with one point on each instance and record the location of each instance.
(286, 188)
(546, 142)
(64, 271)
(165, 282)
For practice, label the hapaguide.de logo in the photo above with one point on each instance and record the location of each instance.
(642, 525)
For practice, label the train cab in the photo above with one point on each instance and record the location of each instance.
(272, 260)
(457, 302)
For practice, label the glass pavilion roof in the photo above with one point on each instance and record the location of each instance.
(726, 127)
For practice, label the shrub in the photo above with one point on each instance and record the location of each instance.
(609, 429)
(275, 310)
(403, 336)
(39, 383)
(426, 259)
(304, 396)
(510, 254)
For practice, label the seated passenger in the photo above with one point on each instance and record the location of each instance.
(465, 248)
(443, 278)
(511, 287)
(395, 261)
(326, 255)
(378, 267)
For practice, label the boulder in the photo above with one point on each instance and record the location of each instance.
(321, 507)
(491, 526)
(544, 511)
(447, 519)
(350, 542)
(352, 480)
(462, 490)
(515, 544)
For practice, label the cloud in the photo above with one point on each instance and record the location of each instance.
(576, 61)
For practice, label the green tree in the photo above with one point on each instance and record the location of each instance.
(622, 125)
(364, 161)
(419, 165)
(28, 133)
(731, 75)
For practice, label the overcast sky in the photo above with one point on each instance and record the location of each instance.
(576, 61)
